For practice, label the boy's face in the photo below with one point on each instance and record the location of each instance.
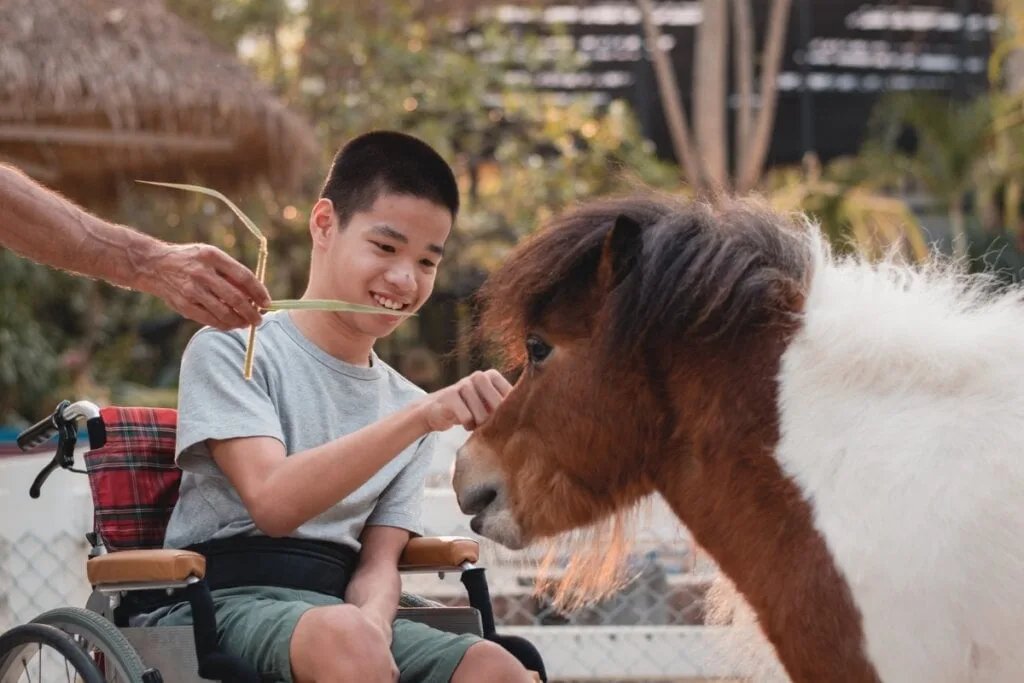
(387, 256)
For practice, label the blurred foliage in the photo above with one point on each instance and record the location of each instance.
(958, 160)
(520, 156)
(950, 155)
(851, 206)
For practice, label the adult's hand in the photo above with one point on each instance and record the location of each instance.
(203, 283)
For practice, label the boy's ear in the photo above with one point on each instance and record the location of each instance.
(322, 220)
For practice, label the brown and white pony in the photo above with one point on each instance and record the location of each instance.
(844, 438)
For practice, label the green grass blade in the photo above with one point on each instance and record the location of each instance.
(216, 195)
(330, 305)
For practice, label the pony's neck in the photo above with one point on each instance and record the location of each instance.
(727, 488)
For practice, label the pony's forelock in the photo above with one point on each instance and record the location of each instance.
(706, 271)
(555, 265)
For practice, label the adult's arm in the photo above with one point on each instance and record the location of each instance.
(199, 281)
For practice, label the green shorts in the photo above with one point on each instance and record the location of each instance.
(256, 625)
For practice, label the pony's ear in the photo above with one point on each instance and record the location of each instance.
(621, 251)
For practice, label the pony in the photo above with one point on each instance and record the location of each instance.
(843, 436)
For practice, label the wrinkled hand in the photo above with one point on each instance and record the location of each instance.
(203, 283)
(468, 402)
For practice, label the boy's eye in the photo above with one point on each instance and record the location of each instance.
(385, 247)
(427, 263)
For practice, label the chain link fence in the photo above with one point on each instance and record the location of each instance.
(39, 574)
(651, 630)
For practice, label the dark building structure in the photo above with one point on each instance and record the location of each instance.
(840, 56)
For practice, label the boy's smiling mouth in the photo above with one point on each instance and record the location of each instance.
(388, 302)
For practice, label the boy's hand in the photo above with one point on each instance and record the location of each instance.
(468, 402)
(383, 629)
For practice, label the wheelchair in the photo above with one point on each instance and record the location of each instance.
(134, 483)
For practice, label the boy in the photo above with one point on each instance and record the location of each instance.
(326, 449)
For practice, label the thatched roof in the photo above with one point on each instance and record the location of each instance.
(96, 92)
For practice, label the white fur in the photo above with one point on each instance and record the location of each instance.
(902, 419)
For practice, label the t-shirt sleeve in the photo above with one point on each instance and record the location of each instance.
(401, 504)
(216, 402)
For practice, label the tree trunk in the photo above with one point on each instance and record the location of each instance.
(771, 62)
(710, 79)
(276, 74)
(743, 56)
(671, 100)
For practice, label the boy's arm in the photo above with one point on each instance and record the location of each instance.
(235, 420)
(281, 493)
(376, 586)
(397, 516)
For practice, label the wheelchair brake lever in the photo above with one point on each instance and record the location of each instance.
(64, 457)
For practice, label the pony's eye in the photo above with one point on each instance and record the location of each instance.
(536, 349)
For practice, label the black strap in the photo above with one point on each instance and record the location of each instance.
(301, 564)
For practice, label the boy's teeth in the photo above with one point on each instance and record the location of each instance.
(388, 303)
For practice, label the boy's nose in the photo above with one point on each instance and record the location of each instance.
(401, 279)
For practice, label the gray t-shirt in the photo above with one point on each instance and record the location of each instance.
(303, 397)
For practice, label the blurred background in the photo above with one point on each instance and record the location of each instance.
(897, 124)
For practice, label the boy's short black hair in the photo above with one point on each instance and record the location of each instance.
(388, 162)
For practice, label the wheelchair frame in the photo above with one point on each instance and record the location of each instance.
(188, 654)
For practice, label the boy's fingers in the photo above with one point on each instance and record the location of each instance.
(488, 393)
(499, 382)
(473, 401)
(462, 414)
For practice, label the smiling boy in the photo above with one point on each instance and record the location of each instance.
(326, 450)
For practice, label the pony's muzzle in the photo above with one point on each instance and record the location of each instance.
(477, 498)
(476, 485)
(481, 492)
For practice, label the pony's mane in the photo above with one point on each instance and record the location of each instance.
(885, 322)
(705, 271)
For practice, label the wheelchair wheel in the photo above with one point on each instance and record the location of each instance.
(114, 656)
(21, 657)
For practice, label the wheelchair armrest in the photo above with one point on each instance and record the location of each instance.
(438, 553)
(145, 566)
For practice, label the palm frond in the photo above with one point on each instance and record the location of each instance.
(331, 305)
(216, 195)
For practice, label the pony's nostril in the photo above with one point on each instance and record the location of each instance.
(477, 499)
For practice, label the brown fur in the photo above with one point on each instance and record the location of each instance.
(668, 327)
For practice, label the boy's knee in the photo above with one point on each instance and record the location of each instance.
(487, 661)
(336, 643)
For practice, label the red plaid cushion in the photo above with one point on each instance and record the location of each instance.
(133, 477)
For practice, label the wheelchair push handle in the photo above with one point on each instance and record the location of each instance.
(64, 423)
(37, 434)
